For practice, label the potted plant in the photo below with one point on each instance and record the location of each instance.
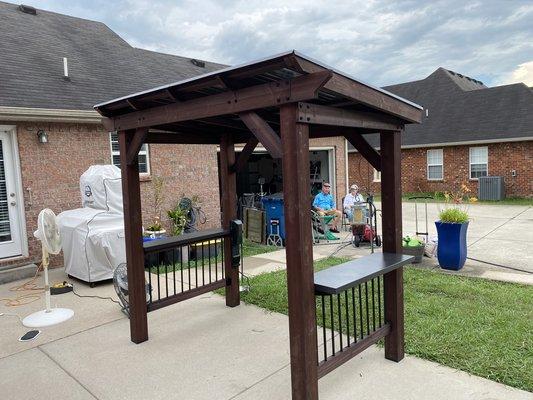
(452, 228)
(178, 216)
(155, 230)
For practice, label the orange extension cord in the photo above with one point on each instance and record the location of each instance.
(26, 286)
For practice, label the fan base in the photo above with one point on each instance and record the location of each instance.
(42, 318)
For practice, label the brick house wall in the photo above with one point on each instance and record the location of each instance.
(502, 159)
(51, 173)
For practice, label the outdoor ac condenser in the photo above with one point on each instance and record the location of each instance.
(491, 188)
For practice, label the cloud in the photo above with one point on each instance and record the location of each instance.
(378, 41)
(522, 73)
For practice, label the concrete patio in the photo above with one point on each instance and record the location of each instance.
(198, 349)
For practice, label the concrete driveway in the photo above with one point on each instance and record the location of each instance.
(497, 234)
(198, 349)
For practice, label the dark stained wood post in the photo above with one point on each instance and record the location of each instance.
(391, 199)
(299, 253)
(131, 195)
(228, 189)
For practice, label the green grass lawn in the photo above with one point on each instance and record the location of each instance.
(479, 326)
(438, 197)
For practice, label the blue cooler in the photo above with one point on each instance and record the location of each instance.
(273, 206)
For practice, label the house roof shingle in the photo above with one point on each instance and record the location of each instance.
(101, 64)
(462, 109)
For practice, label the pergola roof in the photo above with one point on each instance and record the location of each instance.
(205, 104)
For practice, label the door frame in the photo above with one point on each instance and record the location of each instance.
(11, 130)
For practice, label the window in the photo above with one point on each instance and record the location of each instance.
(479, 162)
(144, 160)
(377, 175)
(435, 165)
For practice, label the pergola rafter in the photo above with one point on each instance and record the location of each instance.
(280, 102)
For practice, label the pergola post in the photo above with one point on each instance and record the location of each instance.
(228, 189)
(299, 254)
(391, 198)
(131, 196)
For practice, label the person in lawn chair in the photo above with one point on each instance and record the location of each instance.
(351, 199)
(324, 204)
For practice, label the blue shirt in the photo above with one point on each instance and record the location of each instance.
(324, 201)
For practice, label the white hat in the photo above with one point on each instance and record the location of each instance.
(354, 187)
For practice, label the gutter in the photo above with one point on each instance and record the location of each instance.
(465, 143)
(49, 115)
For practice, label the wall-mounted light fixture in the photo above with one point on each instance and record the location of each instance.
(42, 135)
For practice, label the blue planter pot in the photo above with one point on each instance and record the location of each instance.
(451, 250)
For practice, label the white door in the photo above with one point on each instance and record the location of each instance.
(10, 205)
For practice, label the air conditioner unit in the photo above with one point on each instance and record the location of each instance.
(491, 188)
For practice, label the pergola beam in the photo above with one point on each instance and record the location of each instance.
(263, 132)
(368, 152)
(245, 154)
(324, 115)
(136, 142)
(232, 102)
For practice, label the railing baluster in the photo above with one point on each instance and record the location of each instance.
(196, 265)
(149, 280)
(373, 307)
(332, 319)
(158, 284)
(209, 259)
(354, 313)
(379, 302)
(174, 268)
(166, 276)
(361, 311)
(367, 313)
(216, 261)
(347, 318)
(203, 264)
(324, 327)
(181, 266)
(340, 319)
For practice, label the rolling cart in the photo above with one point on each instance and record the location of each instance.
(364, 224)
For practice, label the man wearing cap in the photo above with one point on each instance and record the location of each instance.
(351, 199)
(325, 205)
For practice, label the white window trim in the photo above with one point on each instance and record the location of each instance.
(470, 161)
(376, 176)
(435, 165)
(141, 152)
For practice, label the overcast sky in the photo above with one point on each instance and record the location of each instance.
(379, 41)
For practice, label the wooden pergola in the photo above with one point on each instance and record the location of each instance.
(280, 102)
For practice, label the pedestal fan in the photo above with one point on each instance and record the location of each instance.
(48, 233)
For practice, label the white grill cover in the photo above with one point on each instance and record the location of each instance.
(101, 188)
(93, 243)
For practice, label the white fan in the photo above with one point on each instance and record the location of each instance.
(48, 233)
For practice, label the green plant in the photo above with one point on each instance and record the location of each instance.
(453, 215)
(156, 226)
(455, 210)
(178, 217)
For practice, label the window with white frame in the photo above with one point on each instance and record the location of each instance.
(377, 175)
(144, 160)
(479, 162)
(435, 165)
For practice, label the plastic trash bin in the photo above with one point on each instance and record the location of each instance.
(273, 206)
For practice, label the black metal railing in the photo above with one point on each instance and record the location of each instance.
(185, 266)
(349, 322)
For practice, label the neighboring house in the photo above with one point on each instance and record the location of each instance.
(53, 69)
(469, 130)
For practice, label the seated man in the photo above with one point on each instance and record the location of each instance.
(351, 199)
(325, 205)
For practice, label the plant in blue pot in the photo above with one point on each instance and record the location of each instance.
(452, 228)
